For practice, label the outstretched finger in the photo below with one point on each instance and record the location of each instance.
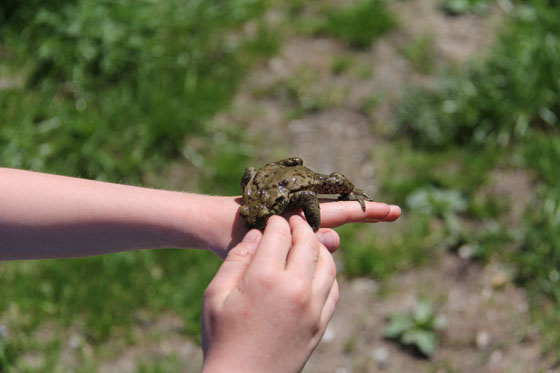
(334, 214)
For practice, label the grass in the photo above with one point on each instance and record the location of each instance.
(358, 24)
(457, 7)
(122, 100)
(111, 91)
(497, 100)
(420, 53)
(509, 100)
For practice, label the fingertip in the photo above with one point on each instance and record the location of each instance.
(277, 223)
(253, 236)
(394, 213)
(329, 238)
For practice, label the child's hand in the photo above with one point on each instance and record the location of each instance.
(269, 304)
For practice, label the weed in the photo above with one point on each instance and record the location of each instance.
(501, 99)
(418, 329)
(358, 25)
(341, 64)
(456, 7)
(420, 53)
(117, 86)
(113, 91)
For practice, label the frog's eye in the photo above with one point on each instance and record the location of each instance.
(337, 177)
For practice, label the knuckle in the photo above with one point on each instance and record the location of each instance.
(210, 294)
(240, 252)
(283, 235)
(265, 277)
(298, 294)
(312, 245)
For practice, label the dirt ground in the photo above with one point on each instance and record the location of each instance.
(490, 329)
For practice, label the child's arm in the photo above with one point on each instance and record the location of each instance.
(50, 216)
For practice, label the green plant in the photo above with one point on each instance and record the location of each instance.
(538, 257)
(444, 204)
(7, 351)
(116, 86)
(500, 99)
(456, 7)
(358, 25)
(421, 54)
(418, 329)
(341, 64)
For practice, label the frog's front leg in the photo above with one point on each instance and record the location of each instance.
(356, 195)
(308, 202)
(249, 174)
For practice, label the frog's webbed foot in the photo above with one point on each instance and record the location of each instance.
(308, 202)
(356, 195)
(289, 162)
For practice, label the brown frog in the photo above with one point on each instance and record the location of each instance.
(286, 185)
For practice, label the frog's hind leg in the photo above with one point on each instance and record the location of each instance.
(356, 195)
(288, 162)
(308, 202)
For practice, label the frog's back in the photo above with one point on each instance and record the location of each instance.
(288, 179)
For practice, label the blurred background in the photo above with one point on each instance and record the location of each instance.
(448, 108)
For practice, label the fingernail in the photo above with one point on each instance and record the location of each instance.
(252, 236)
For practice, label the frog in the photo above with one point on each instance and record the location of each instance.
(286, 185)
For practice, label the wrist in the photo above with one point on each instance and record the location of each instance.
(208, 222)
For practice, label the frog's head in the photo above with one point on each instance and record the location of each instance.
(335, 183)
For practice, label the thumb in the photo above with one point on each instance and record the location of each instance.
(233, 268)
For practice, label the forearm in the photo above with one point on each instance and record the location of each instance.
(49, 216)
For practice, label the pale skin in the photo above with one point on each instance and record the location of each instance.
(269, 303)
(284, 281)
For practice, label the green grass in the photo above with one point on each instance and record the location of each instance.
(420, 53)
(115, 87)
(510, 100)
(456, 7)
(512, 92)
(359, 24)
(123, 99)
(114, 90)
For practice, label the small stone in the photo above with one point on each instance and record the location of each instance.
(499, 279)
(276, 65)
(482, 339)
(496, 357)
(466, 252)
(381, 357)
(365, 285)
(75, 341)
(3, 331)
